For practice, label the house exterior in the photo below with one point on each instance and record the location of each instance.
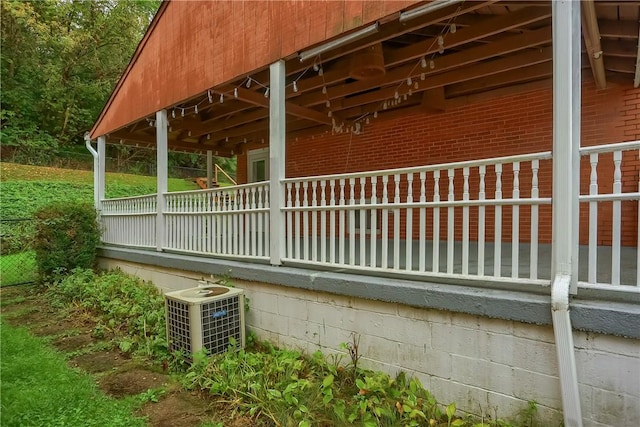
(456, 182)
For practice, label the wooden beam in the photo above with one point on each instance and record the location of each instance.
(491, 26)
(473, 55)
(393, 29)
(149, 142)
(618, 29)
(488, 68)
(636, 78)
(622, 48)
(534, 72)
(296, 110)
(591, 35)
(621, 65)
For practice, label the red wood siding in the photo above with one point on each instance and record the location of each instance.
(196, 45)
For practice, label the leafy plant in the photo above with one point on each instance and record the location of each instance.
(127, 308)
(66, 237)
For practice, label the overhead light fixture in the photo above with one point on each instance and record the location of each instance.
(341, 41)
(427, 8)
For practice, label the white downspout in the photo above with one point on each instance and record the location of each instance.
(566, 175)
(96, 171)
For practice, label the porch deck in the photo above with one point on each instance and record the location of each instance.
(542, 273)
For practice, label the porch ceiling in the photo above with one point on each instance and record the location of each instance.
(447, 57)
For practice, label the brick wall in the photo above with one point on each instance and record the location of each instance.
(507, 125)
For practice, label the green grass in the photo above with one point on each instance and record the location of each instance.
(39, 389)
(24, 189)
(17, 268)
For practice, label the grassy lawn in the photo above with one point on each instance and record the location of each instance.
(26, 188)
(17, 268)
(17, 172)
(39, 389)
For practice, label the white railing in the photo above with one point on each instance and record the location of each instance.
(486, 219)
(465, 219)
(130, 221)
(610, 208)
(229, 221)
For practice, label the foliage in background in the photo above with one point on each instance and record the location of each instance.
(60, 61)
(39, 389)
(127, 308)
(67, 235)
(25, 189)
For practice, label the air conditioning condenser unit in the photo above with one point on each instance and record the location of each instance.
(208, 317)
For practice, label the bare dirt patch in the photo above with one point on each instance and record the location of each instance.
(101, 361)
(177, 409)
(134, 381)
(74, 342)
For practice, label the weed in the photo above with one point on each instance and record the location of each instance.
(151, 395)
(127, 309)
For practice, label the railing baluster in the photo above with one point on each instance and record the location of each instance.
(314, 221)
(241, 227)
(305, 221)
(264, 217)
(408, 256)
(385, 222)
(515, 222)
(465, 222)
(593, 220)
(436, 223)
(450, 222)
(374, 223)
(263, 244)
(363, 223)
(254, 221)
(332, 222)
(352, 221)
(497, 251)
(341, 233)
(533, 254)
(323, 221)
(220, 223)
(297, 236)
(422, 245)
(616, 220)
(289, 222)
(396, 223)
(246, 222)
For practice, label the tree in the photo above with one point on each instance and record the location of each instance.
(60, 60)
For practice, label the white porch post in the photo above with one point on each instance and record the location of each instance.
(209, 168)
(102, 166)
(277, 135)
(566, 175)
(162, 146)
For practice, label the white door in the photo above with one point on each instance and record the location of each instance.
(258, 165)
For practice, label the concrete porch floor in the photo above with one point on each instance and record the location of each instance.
(628, 259)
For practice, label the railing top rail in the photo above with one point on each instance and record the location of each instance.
(607, 148)
(228, 189)
(544, 155)
(117, 199)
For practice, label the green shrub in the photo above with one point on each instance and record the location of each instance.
(127, 308)
(66, 238)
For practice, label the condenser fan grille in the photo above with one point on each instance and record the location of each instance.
(179, 325)
(221, 320)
